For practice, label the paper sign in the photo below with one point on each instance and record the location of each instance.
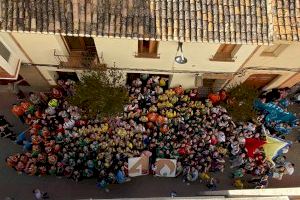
(165, 167)
(138, 166)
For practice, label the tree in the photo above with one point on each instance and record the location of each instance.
(240, 104)
(100, 93)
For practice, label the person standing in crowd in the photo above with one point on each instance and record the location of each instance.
(169, 123)
(19, 112)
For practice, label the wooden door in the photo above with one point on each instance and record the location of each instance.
(80, 43)
(260, 80)
(75, 43)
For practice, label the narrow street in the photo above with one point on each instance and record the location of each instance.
(20, 186)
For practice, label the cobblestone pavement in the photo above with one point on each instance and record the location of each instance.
(20, 186)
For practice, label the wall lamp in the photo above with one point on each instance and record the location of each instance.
(180, 59)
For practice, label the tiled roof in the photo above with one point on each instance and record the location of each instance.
(218, 21)
(286, 19)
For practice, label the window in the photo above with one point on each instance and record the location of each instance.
(274, 50)
(226, 53)
(147, 49)
(4, 52)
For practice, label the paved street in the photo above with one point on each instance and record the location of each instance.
(21, 186)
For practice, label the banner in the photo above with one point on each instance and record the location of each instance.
(138, 166)
(165, 167)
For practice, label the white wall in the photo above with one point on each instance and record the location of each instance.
(122, 51)
(12, 65)
(40, 47)
(7, 39)
(283, 76)
(185, 80)
(50, 76)
(289, 58)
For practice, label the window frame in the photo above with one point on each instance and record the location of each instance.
(276, 52)
(143, 52)
(223, 56)
(11, 61)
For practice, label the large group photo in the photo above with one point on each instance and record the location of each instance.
(162, 131)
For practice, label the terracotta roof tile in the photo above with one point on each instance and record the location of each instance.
(286, 19)
(218, 21)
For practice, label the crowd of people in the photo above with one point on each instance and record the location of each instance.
(164, 123)
(273, 107)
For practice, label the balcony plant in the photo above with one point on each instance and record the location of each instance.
(100, 93)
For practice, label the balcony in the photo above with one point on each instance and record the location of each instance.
(9, 70)
(80, 60)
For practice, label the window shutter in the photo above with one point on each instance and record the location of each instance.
(140, 46)
(221, 49)
(147, 49)
(229, 48)
(225, 52)
(153, 47)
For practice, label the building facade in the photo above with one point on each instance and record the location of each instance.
(224, 42)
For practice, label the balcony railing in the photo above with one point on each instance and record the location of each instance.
(80, 60)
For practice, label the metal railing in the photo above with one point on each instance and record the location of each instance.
(80, 60)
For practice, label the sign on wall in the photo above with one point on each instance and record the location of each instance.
(138, 166)
(165, 167)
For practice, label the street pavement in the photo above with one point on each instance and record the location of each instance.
(20, 186)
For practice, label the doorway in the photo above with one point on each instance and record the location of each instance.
(67, 75)
(259, 81)
(210, 85)
(133, 76)
(80, 44)
(82, 53)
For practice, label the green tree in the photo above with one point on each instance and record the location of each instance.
(240, 102)
(100, 93)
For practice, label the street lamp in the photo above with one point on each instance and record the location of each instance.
(180, 59)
